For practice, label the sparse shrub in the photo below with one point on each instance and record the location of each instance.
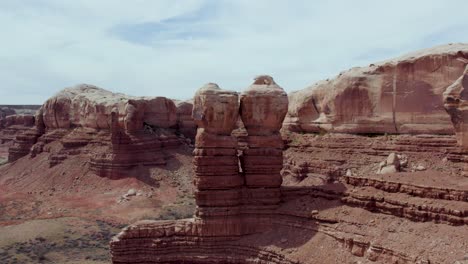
(322, 132)
(177, 212)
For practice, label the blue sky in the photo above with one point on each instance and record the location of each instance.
(171, 48)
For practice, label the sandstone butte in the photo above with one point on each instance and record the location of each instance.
(282, 178)
(124, 131)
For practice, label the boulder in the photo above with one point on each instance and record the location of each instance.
(394, 160)
(388, 169)
(391, 164)
(401, 95)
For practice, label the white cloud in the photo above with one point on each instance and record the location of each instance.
(171, 48)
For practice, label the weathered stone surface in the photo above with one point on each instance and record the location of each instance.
(89, 106)
(19, 120)
(264, 105)
(215, 110)
(185, 123)
(401, 95)
(18, 130)
(128, 131)
(456, 104)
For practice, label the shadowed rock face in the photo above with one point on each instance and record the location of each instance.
(185, 123)
(456, 104)
(401, 95)
(18, 129)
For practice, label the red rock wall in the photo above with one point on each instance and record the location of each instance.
(402, 95)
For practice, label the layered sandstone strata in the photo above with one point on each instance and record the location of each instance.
(117, 132)
(263, 107)
(13, 125)
(20, 131)
(218, 182)
(185, 123)
(401, 95)
(233, 200)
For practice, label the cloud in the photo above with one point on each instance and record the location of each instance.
(171, 48)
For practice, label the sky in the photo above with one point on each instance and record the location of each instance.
(173, 47)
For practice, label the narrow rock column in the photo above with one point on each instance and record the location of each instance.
(218, 183)
(456, 105)
(263, 107)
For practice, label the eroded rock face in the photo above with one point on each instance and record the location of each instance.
(218, 182)
(185, 123)
(232, 199)
(456, 104)
(264, 105)
(402, 95)
(21, 131)
(85, 114)
(117, 133)
(215, 110)
(263, 108)
(89, 106)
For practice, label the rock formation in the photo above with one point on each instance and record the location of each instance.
(4, 112)
(89, 106)
(456, 104)
(117, 132)
(263, 108)
(19, 134)
(185, 123)
(392, 164)
(218, 182)
(231, 201)
(402, 95)
(245, 216)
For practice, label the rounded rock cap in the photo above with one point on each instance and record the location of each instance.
(215, 110)
(264, 105)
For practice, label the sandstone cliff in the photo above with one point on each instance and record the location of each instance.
(401, 95)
